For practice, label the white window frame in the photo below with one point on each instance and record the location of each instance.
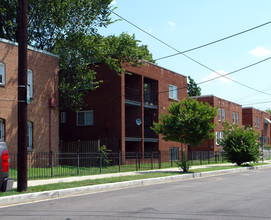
(219, 114)
(30, 82)
(258, 122)
(2, 130)
(86, 123)
(173, 92)
(63, 117)
(217, 138)
(3, 74)
(233, 118)
(237, 118)
(223, 114)
(29, 135)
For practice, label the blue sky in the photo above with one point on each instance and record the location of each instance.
(185, 24)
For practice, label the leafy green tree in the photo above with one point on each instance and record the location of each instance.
(69, 28)
(187, 121)
(192, 88)
(51, 20)
(240, 144)
(268, 110)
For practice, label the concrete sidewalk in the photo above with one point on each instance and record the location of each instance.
(109, 175)
(39, 196)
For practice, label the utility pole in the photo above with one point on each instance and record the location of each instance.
(22, 96)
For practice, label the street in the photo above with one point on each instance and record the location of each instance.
(243, 195)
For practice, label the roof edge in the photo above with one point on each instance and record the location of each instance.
(2, 40)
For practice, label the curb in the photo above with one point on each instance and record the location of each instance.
(31, 197)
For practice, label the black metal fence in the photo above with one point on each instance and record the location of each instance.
(48, 165)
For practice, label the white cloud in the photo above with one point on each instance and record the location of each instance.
(215, 75)
(171, 23)
(259, 52)
(113, 2)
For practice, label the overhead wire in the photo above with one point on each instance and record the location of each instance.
(199, 63)
(213, 42)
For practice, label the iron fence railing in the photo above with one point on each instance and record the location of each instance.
(47, 165)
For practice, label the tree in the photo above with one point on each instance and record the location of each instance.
(79, 54)
(51, 20)
(240, 144)
(69, 28)
(268, 110)
(187, 121)
(192, 88)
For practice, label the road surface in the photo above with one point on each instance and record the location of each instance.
(244, 195)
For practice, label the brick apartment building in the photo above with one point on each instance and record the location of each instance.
(124, 107)
(43, 86)
(227, 111)
(258, 120)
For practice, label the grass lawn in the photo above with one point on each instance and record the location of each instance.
(118, 179)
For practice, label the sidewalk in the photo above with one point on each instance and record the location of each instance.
(53, 194)
(109, 175)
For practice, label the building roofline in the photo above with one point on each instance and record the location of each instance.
(145, 61)
(2, 40)
(204, 96)
(250, 107)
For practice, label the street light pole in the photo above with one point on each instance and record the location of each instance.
(22, 94)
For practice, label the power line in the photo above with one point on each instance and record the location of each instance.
(213, 42)
(206, 67)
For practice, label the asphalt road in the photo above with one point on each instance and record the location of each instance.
(244, 195)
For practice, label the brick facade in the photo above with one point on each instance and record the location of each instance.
(229, 111)
(125, 106)
(44, 67)
(258, 120)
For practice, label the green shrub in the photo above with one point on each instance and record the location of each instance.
(240, 145)
(184, 163)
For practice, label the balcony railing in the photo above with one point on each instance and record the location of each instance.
(133, 131)
(132, 94)
(148, 133)
(150, 99)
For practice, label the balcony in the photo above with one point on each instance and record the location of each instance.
(132, 130)
(150, 100)
(132, 96)
(148, 133)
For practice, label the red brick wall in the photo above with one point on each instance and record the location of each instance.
(229, 108)
(108, 103)
(45, 86)
(249, 115)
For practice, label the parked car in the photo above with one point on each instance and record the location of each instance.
(6, 183)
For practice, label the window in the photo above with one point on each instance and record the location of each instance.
(258, 122)
(2, 74)
(219, 114)
(2, 130)
(63, 117)
(223, 114)
(237, 118)
(173, 153)
(85, 118)
(217, 138)
(30, 83)
(173, 92)
(29, 135)
(233, 117)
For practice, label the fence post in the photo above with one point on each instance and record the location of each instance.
(171, 154)
(52, 164)
(139, 161)
(119, 160)
(159, 154)
(215, 158)
(152, 160)
(101, 162)
(136, 161)
(78, 158)
(200, 155)
(208, 157)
